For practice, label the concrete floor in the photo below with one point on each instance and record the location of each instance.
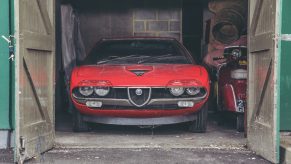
(164, 144)
(165, 137)
(6, 156)
(148, 156)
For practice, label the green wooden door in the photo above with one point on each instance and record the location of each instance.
(34, 62)
(285, 94)
(4, 63)
(264, 78)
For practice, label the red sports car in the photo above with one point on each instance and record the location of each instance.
(140, 81)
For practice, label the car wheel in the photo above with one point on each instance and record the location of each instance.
(200, 124)
(240, 122)
(78, 124)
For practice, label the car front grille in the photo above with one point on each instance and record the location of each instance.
(129, 98)
(121, 93)
(139, 96)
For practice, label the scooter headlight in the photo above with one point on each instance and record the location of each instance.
(177, 91)
(236, 53)
(86, 91)
(193, 91)
(102, 91)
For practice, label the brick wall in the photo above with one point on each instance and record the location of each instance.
(158, 22)
(111, 18)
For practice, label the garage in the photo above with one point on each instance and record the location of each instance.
(39, 95)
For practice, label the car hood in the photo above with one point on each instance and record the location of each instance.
(140, 75)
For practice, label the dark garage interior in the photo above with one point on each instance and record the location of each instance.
(182, 20)
(187, 21)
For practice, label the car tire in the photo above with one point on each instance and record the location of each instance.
(200, 124)
(78, 124)
(240, 121)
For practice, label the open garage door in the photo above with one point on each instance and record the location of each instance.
(263, 132)
(34, 26)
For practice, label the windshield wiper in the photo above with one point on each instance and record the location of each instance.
(121, 58)
(107, 59)
(156, 58)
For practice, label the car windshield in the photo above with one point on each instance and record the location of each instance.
(137, 51)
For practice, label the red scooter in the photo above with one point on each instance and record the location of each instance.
(232, 83)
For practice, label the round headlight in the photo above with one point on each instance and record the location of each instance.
(86, 91)
(177, 91)
(102, 91)
(192, 91)
(236, 53)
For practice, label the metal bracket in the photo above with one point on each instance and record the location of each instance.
(22, 145)
(9, 40)
(284, 37)
(6, 39)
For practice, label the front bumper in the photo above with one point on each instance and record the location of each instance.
(123, 107)
(140, 121)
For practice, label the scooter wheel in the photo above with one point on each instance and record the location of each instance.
(240, 123)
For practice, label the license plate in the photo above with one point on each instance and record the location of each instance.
(243, 62)
(240, 106)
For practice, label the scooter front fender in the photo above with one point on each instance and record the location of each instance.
(228, 98)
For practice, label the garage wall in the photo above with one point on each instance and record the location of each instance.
(102, 22)
(158, 22)
(125, 18)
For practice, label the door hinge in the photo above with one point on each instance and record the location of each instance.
(10, 42)
(284, 37)
(22, 145)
